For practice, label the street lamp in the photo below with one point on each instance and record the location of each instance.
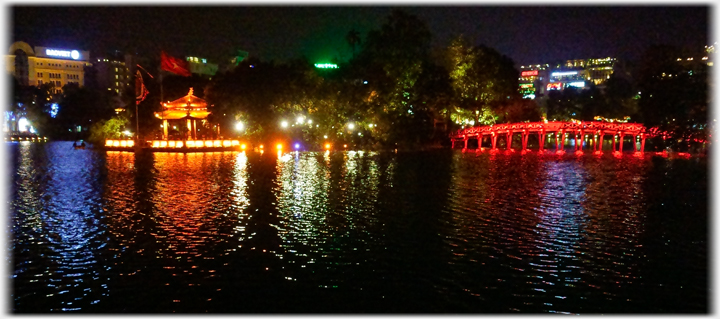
(239, 126)
(351, 126)
(284, 124)
(300, 119)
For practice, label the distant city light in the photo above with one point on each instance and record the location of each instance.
(325, 136)
(578, 84)
(23, 124)
(54, 108)
(326, 66)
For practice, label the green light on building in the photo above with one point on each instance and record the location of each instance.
(326, 66)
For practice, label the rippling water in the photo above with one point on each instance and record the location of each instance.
(441, 231)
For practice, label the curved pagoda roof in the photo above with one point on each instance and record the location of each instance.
(189, 106)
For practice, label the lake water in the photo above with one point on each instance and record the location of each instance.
(356, 232)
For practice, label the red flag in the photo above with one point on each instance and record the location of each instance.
(140, 90)
(174, 65)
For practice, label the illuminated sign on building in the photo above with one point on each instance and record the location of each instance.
(526, 85)
(564, 73)
(579, 84)
(74, 54)
(326, 66)
(529, 73)
(554, 86)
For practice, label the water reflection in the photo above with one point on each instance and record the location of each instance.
(59, 228)
(353, 231)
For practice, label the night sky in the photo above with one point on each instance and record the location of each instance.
(527, 34)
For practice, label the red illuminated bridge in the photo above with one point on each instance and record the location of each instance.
(585, 134)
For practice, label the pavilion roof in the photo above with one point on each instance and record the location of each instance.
(189, 106)
(182, 103)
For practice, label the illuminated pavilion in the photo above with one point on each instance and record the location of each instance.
(189, 108)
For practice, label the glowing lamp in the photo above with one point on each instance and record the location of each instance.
(107, 142)
(156, 143)
(327, 146)
(216, 143)
(297, 145)
(235, 142)
(179, 144)
(199, 144)
(345, 145)
(242, 147)
(261, 146)
(208, 143)
(190, 143)
(123, 143)
(171, 143)
(279, 146)
(131, 143)
(226, 143)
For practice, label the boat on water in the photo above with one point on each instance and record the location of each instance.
(81, 145)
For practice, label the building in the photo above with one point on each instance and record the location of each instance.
(112, 73)
(532, 79)
(40, 65)
(201, 66)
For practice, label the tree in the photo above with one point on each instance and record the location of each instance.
(674, 94)
(481, 77)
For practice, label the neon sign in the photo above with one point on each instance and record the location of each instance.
(579, 84)
(326, 66)
(526, 85)
(74, 54)
(554, 86)
(529, 73)
(563, 73)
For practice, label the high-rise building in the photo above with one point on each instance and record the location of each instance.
(47, 65)
(112, 73)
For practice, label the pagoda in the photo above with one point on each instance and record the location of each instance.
(189, 109)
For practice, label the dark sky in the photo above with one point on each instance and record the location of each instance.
(527, 34)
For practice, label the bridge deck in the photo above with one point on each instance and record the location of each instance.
(580, 129)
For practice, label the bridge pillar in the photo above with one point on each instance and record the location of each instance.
(541, 141)
(494, 140)
(613, 143)
(524, 140)
(466, 142)
(578, 146)
(622, 137)
(642, 142)
(509, 140)
(601, 141)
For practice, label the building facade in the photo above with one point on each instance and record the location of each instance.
(112, 73)
(40, 65)
(201, 66)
